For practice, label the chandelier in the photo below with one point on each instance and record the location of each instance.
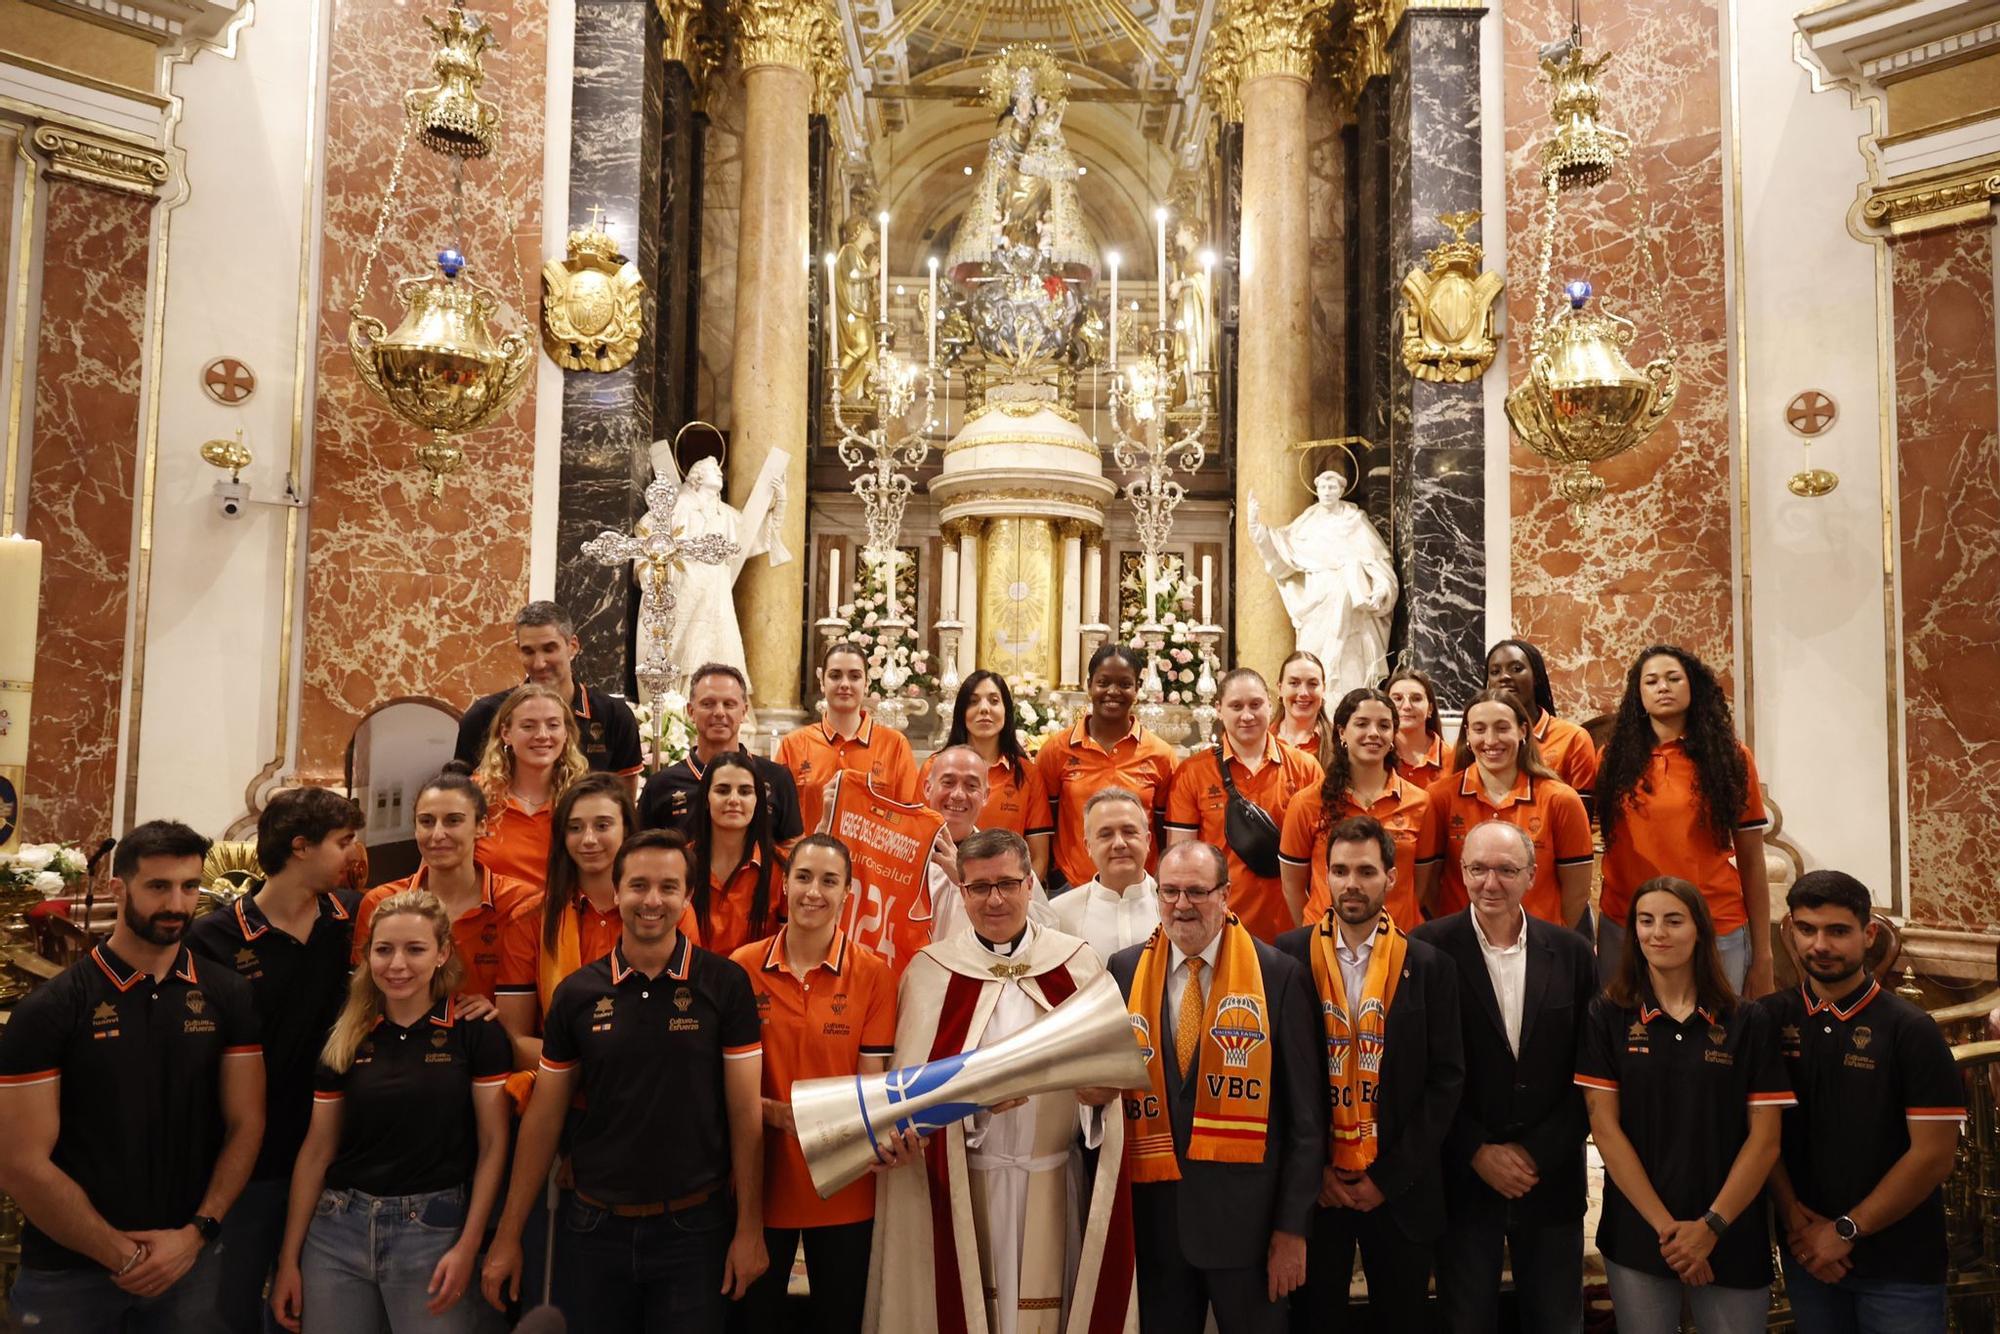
(885, 447)
(1582, 401)
(441, 369)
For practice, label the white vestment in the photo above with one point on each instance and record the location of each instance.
(1110, 919)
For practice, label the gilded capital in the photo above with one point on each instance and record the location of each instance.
(96, 159)
(803, 34)
(1256, 38)
(688, 41)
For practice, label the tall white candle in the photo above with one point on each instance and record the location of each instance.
(1160, 257)
(948, 583)
(931, 318)
(1113, 257)
(882, 265)
(1207, 585)
(833, 598)
(1093, 577)
(1152, 590)
(889, 579)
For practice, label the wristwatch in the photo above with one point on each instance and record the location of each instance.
(1846, 1228)
(208, 1227)
(1716, 1223)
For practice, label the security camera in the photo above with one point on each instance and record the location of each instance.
(232, 497)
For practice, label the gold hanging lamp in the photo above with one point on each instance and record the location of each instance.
(441, 369)
(1582, 401)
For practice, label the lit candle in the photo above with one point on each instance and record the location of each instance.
(833, 581)
(931, 317)
(1207, 584)
(948, 582)
(1160, 257)
(1114, 309)
(882, 263)
(20, 603)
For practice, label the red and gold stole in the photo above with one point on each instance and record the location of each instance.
(1354, 1034)
(1232, 1066)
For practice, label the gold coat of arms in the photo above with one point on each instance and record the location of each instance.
(1448, 309)
(591, 316)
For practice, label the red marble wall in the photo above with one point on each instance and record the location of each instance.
(81, 483)
(1948, 496)
(406, 596)
(1655, 564)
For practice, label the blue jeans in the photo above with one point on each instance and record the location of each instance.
(368, 1259)
(1733, 949)
(59, 1301)
(1649, 1304)
(658, 1275)
(246, 1252)
(1862, 1306)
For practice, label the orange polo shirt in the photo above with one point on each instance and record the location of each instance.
(816, 1028)
(516, 841)
(1022, 806)
(1566, 748)
(1548, 809)
(1436, 764)
(1073, 767)
(729, 905)
(1403, 809)
(1198, 803)
(815, 753)
(1660, 831)
(499, 938)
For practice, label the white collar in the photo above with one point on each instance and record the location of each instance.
(1355, 953)
(1143, 887)
(1520, 941)
(1208, 955)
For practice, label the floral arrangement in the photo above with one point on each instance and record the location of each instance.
(904, 650)
(48, 869)
(1037, 713)
(665, 732)
(1174, 599)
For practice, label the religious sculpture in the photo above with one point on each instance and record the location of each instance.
(1338, 583)
(1025, 195)
(854, 267)
(703, 627)
(1193, 303)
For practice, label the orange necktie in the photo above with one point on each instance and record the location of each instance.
(1187, 1021)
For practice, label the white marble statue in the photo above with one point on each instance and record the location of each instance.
(1338, 582)
(705, 628)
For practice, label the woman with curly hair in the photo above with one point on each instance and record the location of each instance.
(1363, 777)
(1421, 754)
(1516, 665)
(1677, 794)
(532, 755)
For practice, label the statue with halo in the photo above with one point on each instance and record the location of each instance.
(1334, 572)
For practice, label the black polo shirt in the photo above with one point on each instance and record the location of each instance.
(1684, 1094)
(140, 1065)
(650, 1051)
(666, 801)
(606, 729)
(406, 1119)
(299, 986)
(1864, 1068)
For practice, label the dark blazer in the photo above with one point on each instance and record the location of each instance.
(1531, 1100)
(1423, 1067)
(1222, 1215)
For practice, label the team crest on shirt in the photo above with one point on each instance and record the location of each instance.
(1239, 1029)
(600, 1018)
(839, 1005)
(489, 934)
(1638, 1039)
(683, 998)
(1142, 1032)
(763, 1004)
(1718, 1034)
(248, 964)
(805, 768)
(438, 1038)
(104, 1020)
(1788, 1040)
(197, 1021)
(1862, 1037)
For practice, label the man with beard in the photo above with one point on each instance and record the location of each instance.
(132, 1092)
(1872, 1137)
(1394, 1065)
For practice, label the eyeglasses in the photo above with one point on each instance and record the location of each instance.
(1193, 897)
(984, 889)
(1505, 870)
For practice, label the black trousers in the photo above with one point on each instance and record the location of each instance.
(1398, 1271)
(836, 1272)
(1548, 1270)
(1175, 1297)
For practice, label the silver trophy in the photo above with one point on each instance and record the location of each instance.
(1085, 1042)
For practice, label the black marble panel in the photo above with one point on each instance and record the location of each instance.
(1436, 432)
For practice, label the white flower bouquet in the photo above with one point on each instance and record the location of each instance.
(1174, 600)
(916, 672)
(47, 868)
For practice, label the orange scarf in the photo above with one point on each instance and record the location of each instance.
(1354, 1045)
(1232, 1066)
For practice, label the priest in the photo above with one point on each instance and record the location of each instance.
(988, 1227)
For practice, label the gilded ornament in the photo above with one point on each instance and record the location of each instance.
(1255, 38)
(132, 169)
(591, 315)
(450, 116)
(1948, 201)
(1448, 309)
(803, 34)
(1583, 151)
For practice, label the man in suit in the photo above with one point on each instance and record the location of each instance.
(1514, 1172)
(1394, 1066)
(1224, 1145)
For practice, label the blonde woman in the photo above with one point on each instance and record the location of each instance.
(408, 1141)
(532, 755)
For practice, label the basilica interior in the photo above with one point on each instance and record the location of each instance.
(333, 331)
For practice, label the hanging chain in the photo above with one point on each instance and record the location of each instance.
(1545, 303)
(458, 204)
(382, 215)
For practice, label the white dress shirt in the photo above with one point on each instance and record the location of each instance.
(1177, 980)
(1508, 968)
(1110, 919)
(1354, 967)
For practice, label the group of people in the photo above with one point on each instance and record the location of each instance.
(555, 1062)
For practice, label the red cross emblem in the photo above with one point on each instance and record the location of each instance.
(228, 381)
(1810, 413)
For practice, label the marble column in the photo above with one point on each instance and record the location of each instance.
(1072, 603)
(782, 44)
(968, 595)
(1437, 431)
(1269, 47)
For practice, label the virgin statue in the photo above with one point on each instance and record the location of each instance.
(854, 306)
(1338, 584)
